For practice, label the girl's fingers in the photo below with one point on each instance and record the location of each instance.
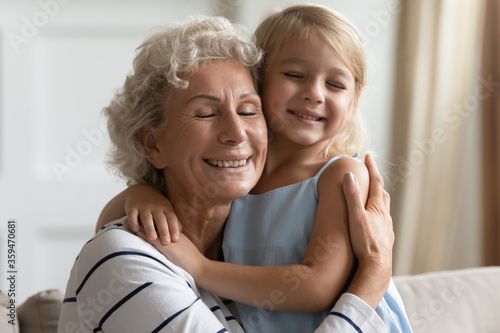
(148, 225)
(174, 225)
(163, 227)
(132, 221)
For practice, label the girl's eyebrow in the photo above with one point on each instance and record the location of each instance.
(337, 70)
(293, 60)
(342, 73)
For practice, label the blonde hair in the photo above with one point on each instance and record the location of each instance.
(305, 21)
(168, 54)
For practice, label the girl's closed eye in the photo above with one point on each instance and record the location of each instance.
(336, 85)
(293, 75)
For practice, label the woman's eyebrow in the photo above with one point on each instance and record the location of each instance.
(210, 97)
(250, 93)
(216, 99)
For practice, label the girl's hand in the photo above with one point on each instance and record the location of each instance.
(182, 253)
(148, 208)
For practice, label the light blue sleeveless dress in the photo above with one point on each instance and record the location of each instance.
(273, 229)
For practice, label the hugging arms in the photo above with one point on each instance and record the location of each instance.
(167, 135)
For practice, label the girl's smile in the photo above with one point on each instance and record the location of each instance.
(308, 93)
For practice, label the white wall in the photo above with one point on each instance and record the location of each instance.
(57, 76)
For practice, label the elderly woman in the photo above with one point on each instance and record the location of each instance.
(191, 102)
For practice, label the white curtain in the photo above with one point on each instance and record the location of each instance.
(432, 181)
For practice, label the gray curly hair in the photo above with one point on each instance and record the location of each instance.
(168, 54)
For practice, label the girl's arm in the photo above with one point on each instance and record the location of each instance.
(142, 204)
(308, 287)
(372, 240)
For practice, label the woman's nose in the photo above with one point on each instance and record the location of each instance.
(313, 91)
(233, 129)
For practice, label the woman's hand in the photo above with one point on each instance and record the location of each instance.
(372, 236)
(148, 208)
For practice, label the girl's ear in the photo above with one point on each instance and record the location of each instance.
(147, 137)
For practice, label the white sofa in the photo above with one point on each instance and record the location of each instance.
(465, 300)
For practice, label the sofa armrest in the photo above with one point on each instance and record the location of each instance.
(8, 321)
(40, 312)
(466, 300)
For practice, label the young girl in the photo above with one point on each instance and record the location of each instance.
(286, 244)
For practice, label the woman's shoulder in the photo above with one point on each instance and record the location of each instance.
(112, 237)
(116, 245)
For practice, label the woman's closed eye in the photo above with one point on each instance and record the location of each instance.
(248, 109)
(204, 116)
(206, 111)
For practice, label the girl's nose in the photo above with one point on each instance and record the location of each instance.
(313, 92)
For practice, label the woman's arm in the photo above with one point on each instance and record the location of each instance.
(308, 287)
(142, 204)
(372, 236)
(372, 239)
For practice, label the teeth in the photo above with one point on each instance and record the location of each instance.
(305, 117)
(227, 164)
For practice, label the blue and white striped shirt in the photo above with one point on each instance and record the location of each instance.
(120, 283)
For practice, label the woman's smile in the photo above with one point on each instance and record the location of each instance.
(215, 133)
(234, 163)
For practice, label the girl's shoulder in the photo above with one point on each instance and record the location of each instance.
(335, 171)
(343, 164)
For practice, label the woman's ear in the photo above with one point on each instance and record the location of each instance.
(147, 137)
